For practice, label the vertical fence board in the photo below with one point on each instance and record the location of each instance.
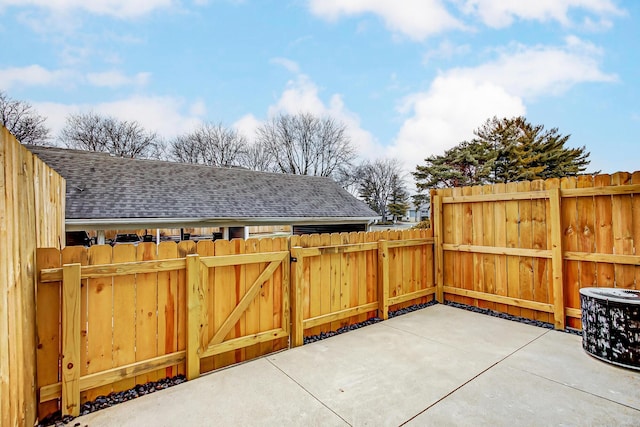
(447, 237)
(570, 243)
(604, 233)
(622, 226)
(455, 236)
(307, 278)
(438, 220)
(124, 315)
(513, 262)
(326, 284)
(48, 323)
(383, 279)
(205, 248)
(586, 239)
(538, 218)
(167, 306)
(146, 310)
(266, 299)
(240, 290)
(345, 277)
(555, 208)
(71, 348)
(72, 255)
(354, 281)
(99, 319)
(466, 259)
(489, 239)
(526, 241)
(635, 179)
(395, 268)
(279, 244)
(315, 283)
(335, 280)
(225, 299)
(24, 333)
(361, 275)
(6, 281)
(371, 259)
(478, 231)
(429, 258)
(252, 315)
(500, 227)
(184, 248)
(551, 184)
(297, 313)
(195, 301)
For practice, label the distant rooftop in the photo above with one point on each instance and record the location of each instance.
(103, 189)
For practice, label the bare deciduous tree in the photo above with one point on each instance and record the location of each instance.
(258, 157)
(210, 144)
(379, 183)
(304, 144)
(22, 121)
(92, 132)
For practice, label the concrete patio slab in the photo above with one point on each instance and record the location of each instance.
(506, 396)
(468, 331)
(436, 366)
(252, 394)
(379, 375)
(559, 357)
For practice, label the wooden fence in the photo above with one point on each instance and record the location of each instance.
(31, 214)
(112, 317)
(527, 248)
(345, 278)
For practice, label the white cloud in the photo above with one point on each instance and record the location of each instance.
(461, 99)
(115, 8)
(447, 114)
(32, 75)
(302, 96)
(247, 126)
(198, 108)
(599, 25)
(113, 79)
(446, 50)
(419, 19)
(166, 115)
(541, 70)
(36, 75)
(501, 13)
(288, 64)
(416, 19)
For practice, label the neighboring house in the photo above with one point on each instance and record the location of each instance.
(106, 192)
(416, 214)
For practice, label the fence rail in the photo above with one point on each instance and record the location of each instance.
(109, 318)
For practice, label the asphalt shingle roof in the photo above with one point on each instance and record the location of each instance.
(101, 186)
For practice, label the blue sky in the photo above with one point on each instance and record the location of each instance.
(409, 78)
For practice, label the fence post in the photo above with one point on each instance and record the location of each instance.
(557, 258)
(195, 297)
(297, 326)
(383, 279)
(286, 292)
(71, 339)
(439, 252)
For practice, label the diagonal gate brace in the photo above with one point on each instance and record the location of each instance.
(243, 304)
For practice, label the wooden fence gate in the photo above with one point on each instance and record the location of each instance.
(204, 339)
